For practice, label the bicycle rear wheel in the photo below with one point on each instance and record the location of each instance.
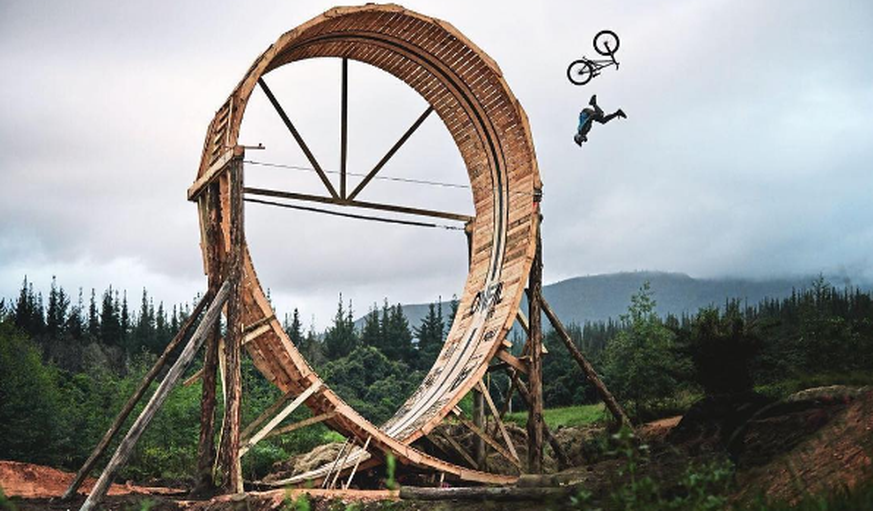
(606, 42)
(580, 72)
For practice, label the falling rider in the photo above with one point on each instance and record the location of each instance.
(590, 114)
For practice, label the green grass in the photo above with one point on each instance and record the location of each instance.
(566, 416)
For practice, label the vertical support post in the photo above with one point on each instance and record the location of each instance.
(479, 420)
(344, 118)
(230, 436)
(535, 361)
(206, 446)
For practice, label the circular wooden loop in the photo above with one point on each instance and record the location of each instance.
(466, 89)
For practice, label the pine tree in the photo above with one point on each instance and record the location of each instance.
(124, 321)
(294, 328)
(28, 315)
(398, 337)
(75, 322)
(430, 335)
(341, 338)
(371, 334)
(93, 319)
(110, 328)
(145, 325)
(56, 314)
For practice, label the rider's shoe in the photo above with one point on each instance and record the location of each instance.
(621, 113)
(593, 100)
(578, 139)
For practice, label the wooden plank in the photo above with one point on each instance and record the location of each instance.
(459, 449)
(134, 399)
(125, 448)
(359, 204)
(302, 424)
(214, 170)
(494, 413)
(298, 138)
(275, 421)
(370, 175)
(266, 414)
(357, 463)
(512, 361)
(485, 436)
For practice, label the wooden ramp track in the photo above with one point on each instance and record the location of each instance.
(467, 91)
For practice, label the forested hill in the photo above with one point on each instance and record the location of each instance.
(598, 297)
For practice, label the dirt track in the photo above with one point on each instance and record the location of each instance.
(35, 481)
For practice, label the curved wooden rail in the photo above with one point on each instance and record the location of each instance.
(466, 89)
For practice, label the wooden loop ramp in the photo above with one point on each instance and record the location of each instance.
(466, 89)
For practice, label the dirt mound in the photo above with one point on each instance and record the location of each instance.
(709, 424)
(816, 441)
(302, 463)
(35, 481)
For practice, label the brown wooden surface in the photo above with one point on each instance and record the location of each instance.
(206, 453)
(467, 91)
(231, 470)
(535, 364)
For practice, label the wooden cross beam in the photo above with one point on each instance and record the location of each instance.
(506, 438)
(299, 400)
(459, 414)
(390, 153)
(298, 138)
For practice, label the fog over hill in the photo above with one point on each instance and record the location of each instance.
(599, 297)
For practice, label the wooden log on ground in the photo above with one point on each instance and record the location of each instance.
(604, 393)
(125, 448)
(503, 493)
(134, 399)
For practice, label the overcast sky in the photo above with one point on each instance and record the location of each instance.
(747, 150)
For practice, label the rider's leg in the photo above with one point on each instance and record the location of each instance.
(603, 119)
(593, 100)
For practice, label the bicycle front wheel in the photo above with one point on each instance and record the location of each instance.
(606, 42)
(580, 72)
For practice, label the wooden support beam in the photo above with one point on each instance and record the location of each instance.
(326, 483)
(302, 424)
(458, 448)
(125, 448)
(298, 138)
(282, 415)
(535, 362)
(512, 361)
(611, 403)
(485, 436)
(265, 415)
(357, 463)
(229, 463)
(506, 438)
(134, 399)
(390, 153)
(358, 204)
(522, 320)
(344, 126)
(214, 171)
(479, 450)
(206, 451)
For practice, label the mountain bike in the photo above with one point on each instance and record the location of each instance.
(581, 71)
